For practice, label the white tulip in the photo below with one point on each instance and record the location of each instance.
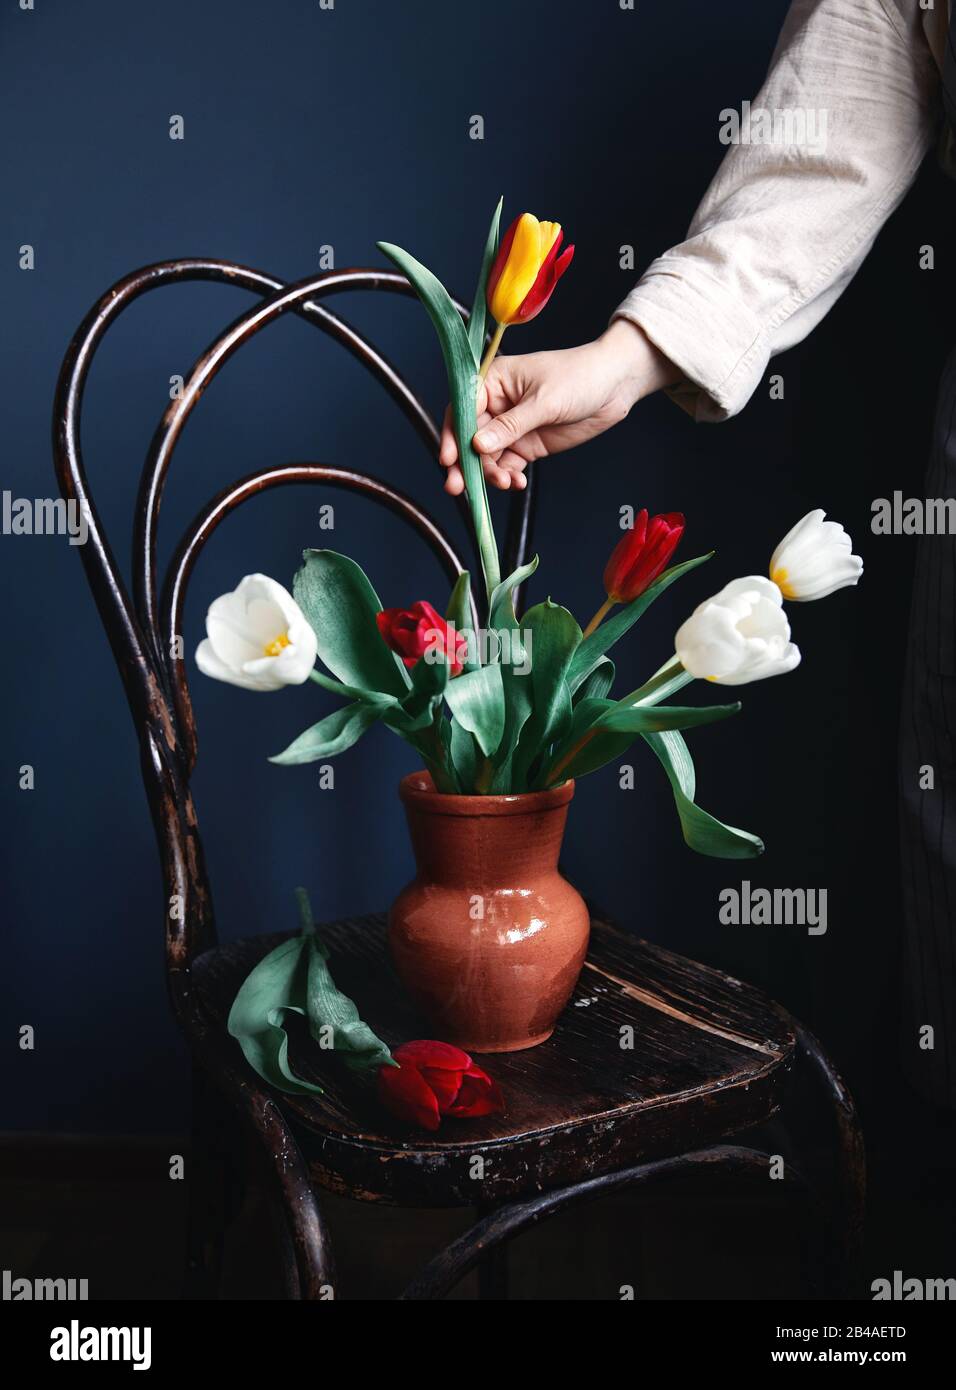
(258, 637)
(739, 635)
(814, 559)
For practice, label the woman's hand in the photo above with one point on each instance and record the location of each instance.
(541, 403)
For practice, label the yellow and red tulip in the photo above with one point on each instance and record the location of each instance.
(526, 269)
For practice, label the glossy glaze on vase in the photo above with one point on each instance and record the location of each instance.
(488, 938)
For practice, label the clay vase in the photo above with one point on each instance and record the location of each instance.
(488, 938)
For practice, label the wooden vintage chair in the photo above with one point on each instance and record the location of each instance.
(712, 1055)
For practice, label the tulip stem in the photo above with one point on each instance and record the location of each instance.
(493, 347)
(484, 776)
(599, 617)
(555, 772)
(440, 774)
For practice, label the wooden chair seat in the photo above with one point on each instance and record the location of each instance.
(707, 1057)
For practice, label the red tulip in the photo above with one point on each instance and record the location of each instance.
(641, 555)
(434, 1079)
(411, 632)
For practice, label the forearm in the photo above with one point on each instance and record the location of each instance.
(636, 361)
(783, 228)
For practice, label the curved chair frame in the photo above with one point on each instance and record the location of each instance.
(140, 630)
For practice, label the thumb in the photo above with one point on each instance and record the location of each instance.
(507, 428)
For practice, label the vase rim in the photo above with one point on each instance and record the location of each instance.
(418, 789)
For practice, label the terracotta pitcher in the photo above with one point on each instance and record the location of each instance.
(488, 938)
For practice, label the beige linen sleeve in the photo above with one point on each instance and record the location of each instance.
(786, 223)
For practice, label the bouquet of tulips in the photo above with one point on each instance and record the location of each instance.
(523, 702)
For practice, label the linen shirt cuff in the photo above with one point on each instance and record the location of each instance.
(709, 335)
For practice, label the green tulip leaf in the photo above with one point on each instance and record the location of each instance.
(671, 677)
(340, 605)
(351, 692)
(517, 692)
(276, 986)
(605, 746)
(501, 607)
(601, 730)
(517, 678)
(702, 832)
(624, 718)
(459, 612)
(332, 735)
(429, 733)
(479, 309)
(518, 696)
(584, 747)
(598, 684)
(429, 682)
(419, 721)
(613, 628)
(444, 774)
(462, 371)
(422, 704)
(555, 637)
(334, 1019)
(476, 700)
(295, 978)
(408, 724)
(602, 748)
(332, 1016)
(465, 756)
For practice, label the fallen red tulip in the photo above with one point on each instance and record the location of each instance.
(433, 1079)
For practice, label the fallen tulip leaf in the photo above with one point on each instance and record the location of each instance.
(295, 978)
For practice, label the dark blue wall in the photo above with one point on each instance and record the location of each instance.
(306, 127)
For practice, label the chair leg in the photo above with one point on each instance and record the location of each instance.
(308, 1270)
(846, 1206)
(285, 1244)
(216, 1187)
(222, 1097)
(493, 1231)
